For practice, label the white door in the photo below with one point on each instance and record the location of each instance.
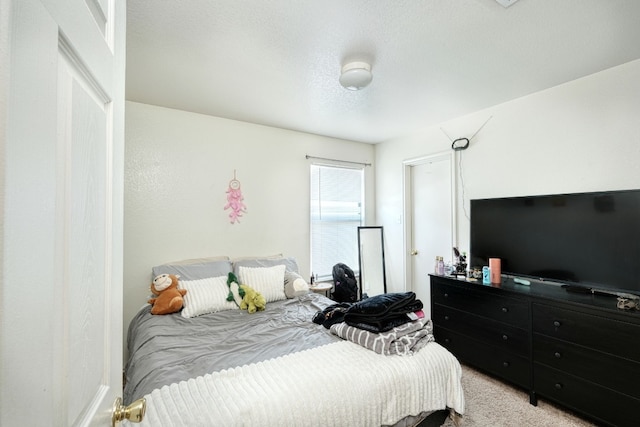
(432, 231)
(62, 170)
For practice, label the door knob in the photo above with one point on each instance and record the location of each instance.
(134, 412)
(414, 252)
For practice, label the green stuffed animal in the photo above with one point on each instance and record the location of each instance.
(236, 293)
(252, 301)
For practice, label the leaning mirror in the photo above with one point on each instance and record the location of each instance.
(371, 261)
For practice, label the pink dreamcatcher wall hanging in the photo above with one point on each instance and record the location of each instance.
(235, 200)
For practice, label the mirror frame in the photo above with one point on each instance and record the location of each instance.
(360, 266)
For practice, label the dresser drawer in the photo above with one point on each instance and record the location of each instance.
(509, 310)
(594, 366)
(494, 333)
(591, 399)
(506, 365)
(599, 333)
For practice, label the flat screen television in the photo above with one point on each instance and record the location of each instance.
(590, 239)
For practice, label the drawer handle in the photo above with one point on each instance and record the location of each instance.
(446, 317)
(556, 323)
(505, 310)
(506, 364)
(505, 337)
(558, 386)
(446, 295)
(557, 355)
(447, 340)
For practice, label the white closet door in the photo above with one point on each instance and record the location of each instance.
(61, 353)
(432, 226)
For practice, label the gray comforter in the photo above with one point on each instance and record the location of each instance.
(170, 348)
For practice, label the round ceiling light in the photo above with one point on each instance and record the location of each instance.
(355, 75)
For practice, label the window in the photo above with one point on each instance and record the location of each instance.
(336, 212)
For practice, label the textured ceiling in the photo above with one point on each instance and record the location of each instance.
(277, 62)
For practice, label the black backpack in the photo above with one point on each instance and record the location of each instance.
(345, 284)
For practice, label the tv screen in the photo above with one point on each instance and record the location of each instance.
(592, 239)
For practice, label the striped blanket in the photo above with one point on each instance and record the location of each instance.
(403, 340)
(338, 384)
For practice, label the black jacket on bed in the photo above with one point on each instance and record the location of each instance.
(379, 313)
(382, 312)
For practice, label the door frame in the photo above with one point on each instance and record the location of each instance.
(407, 190)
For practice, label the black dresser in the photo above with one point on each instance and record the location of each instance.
(577, 350)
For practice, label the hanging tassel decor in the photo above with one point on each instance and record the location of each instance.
(235, 200)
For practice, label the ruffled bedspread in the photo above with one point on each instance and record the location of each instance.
(339, 384)
(277, 368)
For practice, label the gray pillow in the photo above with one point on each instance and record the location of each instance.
(195, 269)
(294, 285)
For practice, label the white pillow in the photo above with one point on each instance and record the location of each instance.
(269, 281)
(205, 296)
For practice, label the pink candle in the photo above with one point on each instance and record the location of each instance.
(494, 266)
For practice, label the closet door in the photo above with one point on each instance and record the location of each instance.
(431, 221)
(61, 352)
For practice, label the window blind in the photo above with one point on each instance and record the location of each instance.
(336, 213)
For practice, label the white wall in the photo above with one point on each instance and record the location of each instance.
(581, 136)
(177, 169)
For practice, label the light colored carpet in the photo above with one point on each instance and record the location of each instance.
(492, 403)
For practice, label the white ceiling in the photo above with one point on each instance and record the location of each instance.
(277, 62)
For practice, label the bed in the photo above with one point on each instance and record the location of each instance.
(220, 365)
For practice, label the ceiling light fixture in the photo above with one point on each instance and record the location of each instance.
(356, 75)
(506, 3)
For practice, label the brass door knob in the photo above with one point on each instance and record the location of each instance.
(134, 412)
